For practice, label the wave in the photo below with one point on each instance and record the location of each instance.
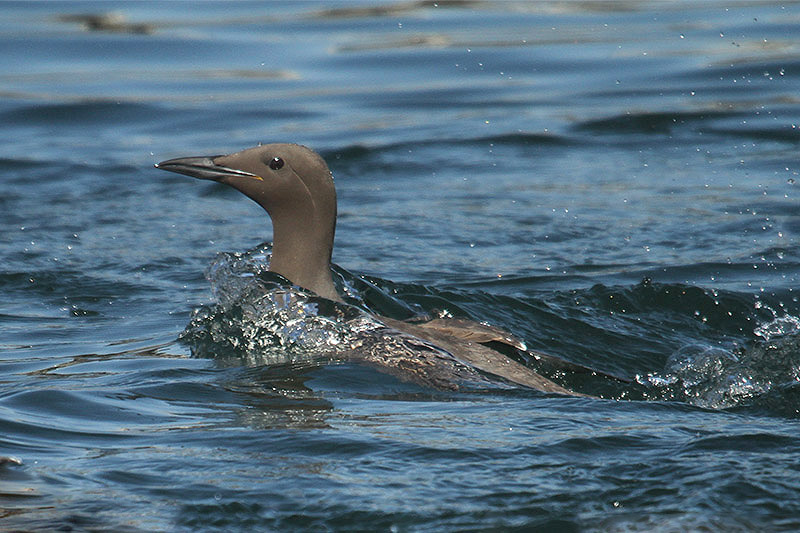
(361, 151)
(654, 123)
(91, 111)
(705, 347)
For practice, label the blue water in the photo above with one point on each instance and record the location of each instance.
(613, 182)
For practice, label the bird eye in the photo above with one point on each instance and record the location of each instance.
(276, 163)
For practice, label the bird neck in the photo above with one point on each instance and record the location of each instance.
(302, 254)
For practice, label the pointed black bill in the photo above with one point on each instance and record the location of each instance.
(202, 167)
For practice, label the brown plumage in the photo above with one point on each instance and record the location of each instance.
(294, 185)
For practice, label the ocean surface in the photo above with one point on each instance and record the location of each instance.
(615, 183)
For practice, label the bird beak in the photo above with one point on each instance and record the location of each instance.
(204, 168)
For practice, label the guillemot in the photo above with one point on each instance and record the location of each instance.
(295, 187)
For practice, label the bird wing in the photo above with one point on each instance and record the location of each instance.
(466, 343)
(498, 339)
(469, 330)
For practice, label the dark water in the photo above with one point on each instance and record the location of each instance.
(613, 182)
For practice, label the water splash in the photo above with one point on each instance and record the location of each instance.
(717, 378)
(779, 326)
(706, 376)
(261, 317)
(729, 374)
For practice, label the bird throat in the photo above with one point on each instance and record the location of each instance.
(302, 254)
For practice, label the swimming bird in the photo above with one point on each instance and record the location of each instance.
(295, 187)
